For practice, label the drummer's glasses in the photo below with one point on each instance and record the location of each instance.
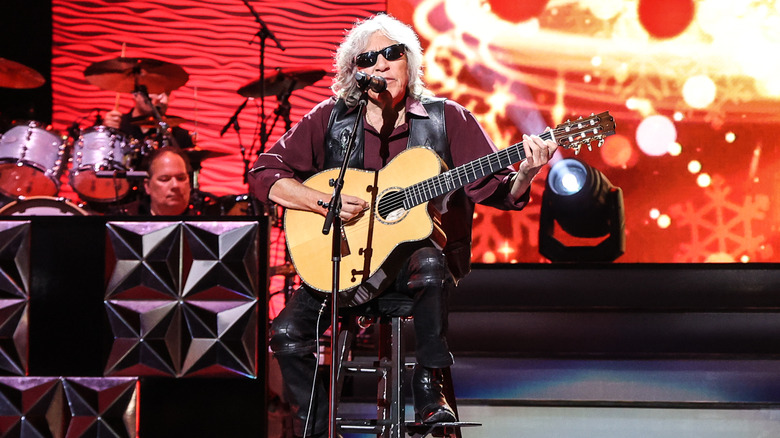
(391, 53)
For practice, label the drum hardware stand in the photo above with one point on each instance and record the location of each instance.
(263, 34)
(283, 108)
(126, 174)
(234, 123)
(162, 126)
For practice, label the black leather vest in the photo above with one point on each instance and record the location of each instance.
(430, 132)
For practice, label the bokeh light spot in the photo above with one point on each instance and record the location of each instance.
(665, 18)
(654, 213)
(699, 91)
(655, 134)
(515, 11)
(617, 152)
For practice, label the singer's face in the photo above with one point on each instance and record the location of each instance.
(395, 72)
(168, 185)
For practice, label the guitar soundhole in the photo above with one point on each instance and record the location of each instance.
(390, 207)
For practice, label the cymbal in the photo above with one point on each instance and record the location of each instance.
(15, 75)
(197, 154)
(279, 81)
(124, 74)
(151, 122)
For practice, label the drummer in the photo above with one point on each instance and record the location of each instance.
(140, 123)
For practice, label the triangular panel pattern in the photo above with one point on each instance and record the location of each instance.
(14, 335)
(182, 299)
(32, 406)
(14, 259)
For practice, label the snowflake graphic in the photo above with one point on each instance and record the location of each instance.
(722, 230)
(508, 236)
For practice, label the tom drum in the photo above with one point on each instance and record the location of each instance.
(31, 161)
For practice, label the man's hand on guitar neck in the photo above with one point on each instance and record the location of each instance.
(537, 153)
(290, 193)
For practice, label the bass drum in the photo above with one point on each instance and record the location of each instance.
(31, 161)
(42, 206)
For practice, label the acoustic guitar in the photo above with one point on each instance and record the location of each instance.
(399, 210)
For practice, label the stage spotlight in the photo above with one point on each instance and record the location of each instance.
(588, 212)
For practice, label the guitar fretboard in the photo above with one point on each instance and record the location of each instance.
(458, 177)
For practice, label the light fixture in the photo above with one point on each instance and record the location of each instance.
(582, 217)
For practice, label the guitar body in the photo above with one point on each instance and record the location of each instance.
(369, 239)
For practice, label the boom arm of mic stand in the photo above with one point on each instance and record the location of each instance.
(233, 119)
(264, 30)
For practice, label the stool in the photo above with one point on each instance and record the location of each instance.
(390, 368)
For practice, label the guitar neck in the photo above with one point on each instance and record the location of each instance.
(458, 177)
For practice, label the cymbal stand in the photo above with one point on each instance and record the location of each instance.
(162, 125)
(262, 34)
(283, 108)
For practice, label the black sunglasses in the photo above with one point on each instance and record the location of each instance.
(391, 53)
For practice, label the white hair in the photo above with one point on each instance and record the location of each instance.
(356, 41)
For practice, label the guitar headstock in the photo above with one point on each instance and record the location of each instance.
(584, 131)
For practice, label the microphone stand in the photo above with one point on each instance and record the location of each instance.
(333, 223)
(234, 123)
(263, 34)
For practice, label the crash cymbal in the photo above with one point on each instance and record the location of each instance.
(279, 81)
(151, 122)
(15, 75)
(197, 154)
(123, 74)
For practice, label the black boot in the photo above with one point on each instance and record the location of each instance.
(430, 406)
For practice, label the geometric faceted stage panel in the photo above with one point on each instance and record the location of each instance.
(182, 298)
(14, 296)
(65, 407)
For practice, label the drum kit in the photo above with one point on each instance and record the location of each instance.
(33, 158)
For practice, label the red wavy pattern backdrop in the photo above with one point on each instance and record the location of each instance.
(211, 41)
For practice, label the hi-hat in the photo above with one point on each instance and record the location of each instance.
(15, 75)
(151, 122)
(123, 75)
(279, 81)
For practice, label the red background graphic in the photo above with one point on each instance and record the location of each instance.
(567, 59)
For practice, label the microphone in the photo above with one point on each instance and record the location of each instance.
(377, 84)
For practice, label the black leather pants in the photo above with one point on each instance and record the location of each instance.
(424, 281)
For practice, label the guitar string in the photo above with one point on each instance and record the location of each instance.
(427, 189)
